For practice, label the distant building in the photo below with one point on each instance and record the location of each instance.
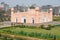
(5, 6)
(20, 8)
(1, 7)
(56, 11)
(46, 8)
(32, 15)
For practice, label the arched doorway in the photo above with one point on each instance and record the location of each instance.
(32, 20)
(23, 20)
(16, 20)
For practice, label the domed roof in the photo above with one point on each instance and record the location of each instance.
(50, 8)
(37, 8)
(12, 9)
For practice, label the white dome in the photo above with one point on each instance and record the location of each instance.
(12, 8)
(50, 8)
(37, 8)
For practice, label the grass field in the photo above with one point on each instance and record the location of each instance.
(53, 31)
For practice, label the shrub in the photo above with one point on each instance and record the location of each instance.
(8, 38)
(48, 28)
(51, 26)
(31, 34)
(19, 38)
(5, 38)
(11, 38)
(0, 35)
(42, 26)
(36, 34)
(25, 33)
(32, 27)
(22, 26)
(8, 31)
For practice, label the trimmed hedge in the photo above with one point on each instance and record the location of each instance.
(49, 27)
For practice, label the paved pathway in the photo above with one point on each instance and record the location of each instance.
(1, 26)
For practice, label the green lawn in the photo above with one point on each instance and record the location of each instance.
(53, 31)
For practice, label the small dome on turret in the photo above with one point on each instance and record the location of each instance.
(12, 9)
(50, 9)
(37, 8)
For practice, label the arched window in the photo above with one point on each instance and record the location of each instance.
(44, 20)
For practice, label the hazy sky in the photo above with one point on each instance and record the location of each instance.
(30, 2)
